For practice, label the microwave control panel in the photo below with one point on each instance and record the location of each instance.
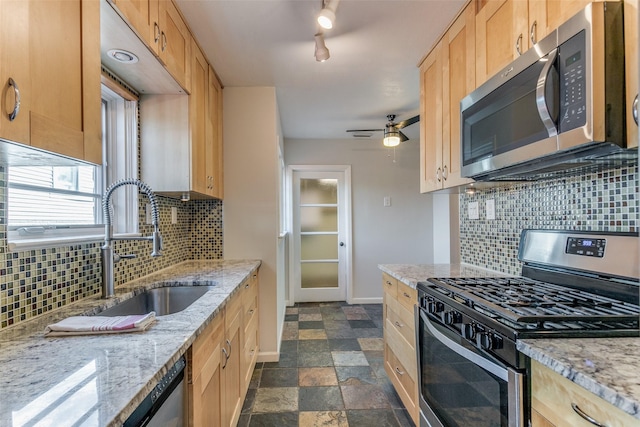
(572, 67)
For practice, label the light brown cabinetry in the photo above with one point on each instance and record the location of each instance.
(446, 76)
(222, 359)
(182, 136)
(506, 29)
(55, 84)
(400, 361)
(161, 27)
(553, 398)
(631, 67)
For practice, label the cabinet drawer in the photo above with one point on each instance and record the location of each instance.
(402, 321)
(552, 396)
(390, 285)
(403, 383)
(404, 350)
(407, 296)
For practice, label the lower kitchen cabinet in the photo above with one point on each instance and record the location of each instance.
(222, 359)
(400, 360)
(553, 398)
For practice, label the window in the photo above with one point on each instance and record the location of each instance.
(52, 204)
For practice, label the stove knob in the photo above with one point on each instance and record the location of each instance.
(451, 317)
(469, 331)
(486, 341)
(435, 307)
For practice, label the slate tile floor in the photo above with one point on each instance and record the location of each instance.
(330, 372)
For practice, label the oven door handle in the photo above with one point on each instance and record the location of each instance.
(485, 364)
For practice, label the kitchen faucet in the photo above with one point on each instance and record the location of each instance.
(109, 258)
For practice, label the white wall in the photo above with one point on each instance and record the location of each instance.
(250, 209)
(401, 233)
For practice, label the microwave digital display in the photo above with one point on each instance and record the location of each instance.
(573, 58)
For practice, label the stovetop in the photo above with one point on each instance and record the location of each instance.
(522, 303)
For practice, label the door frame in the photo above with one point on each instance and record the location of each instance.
(294, 269)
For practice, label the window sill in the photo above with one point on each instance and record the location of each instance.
(58, 241)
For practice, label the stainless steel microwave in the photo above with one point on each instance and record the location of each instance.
(559, 106)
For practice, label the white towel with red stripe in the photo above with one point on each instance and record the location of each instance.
(88, 325)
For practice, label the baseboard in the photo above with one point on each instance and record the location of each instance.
(377, 300)
(271, 356)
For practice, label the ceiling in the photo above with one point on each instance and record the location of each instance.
(375, 50)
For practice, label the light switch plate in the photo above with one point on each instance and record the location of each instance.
(387, 201)
(491, 209)
(473, 210)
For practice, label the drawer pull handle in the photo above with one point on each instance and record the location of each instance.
(164, 41)
(398, 324)
(398, 371)
(519, 45)
(226, 357)
(251, 312)
(388, 283)
(406, 295)
(246, 286)
(156, 32)
(580, 412)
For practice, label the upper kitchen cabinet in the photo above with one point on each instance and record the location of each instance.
(161, 27)
(506, 29)
(181, 136)
(446, 76)
(50, 72)
(631, 69)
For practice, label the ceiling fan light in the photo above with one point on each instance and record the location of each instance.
(322, 52)
(391, 138)
(326, 18)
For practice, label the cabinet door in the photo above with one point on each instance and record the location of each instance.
(232, 377)
(14, 65)
(546, 15)
(431, 121)
(205, 391)
(198, 100)
(59, 81)
(501, 30)
(175, 43)
(214, 136)
(459, 77)
(138, 14)
(631, 66)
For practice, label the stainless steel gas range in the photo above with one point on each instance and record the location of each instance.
(573, 284)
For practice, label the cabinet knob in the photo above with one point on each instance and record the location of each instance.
(16, 103)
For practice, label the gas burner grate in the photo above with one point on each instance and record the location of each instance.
(523, 302)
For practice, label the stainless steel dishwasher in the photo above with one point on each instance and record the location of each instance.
(164, 406)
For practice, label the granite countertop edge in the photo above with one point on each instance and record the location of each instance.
(596, 364)
(174, 333)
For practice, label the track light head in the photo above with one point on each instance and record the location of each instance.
(327, 15)
(321, 52)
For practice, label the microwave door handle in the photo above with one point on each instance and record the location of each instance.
(485, 364)
(541, 98)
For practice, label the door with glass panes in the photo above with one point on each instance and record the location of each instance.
(320, 233)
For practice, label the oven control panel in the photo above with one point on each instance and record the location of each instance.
(586, 246)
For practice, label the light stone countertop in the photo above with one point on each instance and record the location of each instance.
(98, 380)
(607, 367)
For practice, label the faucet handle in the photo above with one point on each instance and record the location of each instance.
(157, 244)
(117, 257)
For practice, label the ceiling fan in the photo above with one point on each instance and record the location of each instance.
(392, 133)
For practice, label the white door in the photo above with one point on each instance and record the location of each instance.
(320, 233)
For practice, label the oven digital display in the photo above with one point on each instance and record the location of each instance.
(586, 247)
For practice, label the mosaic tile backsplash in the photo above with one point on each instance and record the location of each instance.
(603, 201)
(37, 281)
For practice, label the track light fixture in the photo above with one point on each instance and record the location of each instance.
(322, 52)
(327, 15)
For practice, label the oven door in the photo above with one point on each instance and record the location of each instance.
(462, 386)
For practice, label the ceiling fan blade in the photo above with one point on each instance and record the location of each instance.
(403, 137)
(408, 122)
(365, 130)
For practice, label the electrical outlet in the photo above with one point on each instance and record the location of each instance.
(473, 210)
(174, 215)
(386, 201)
(490, 208)
(149, 218)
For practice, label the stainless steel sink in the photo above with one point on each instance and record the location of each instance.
(164, 301)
